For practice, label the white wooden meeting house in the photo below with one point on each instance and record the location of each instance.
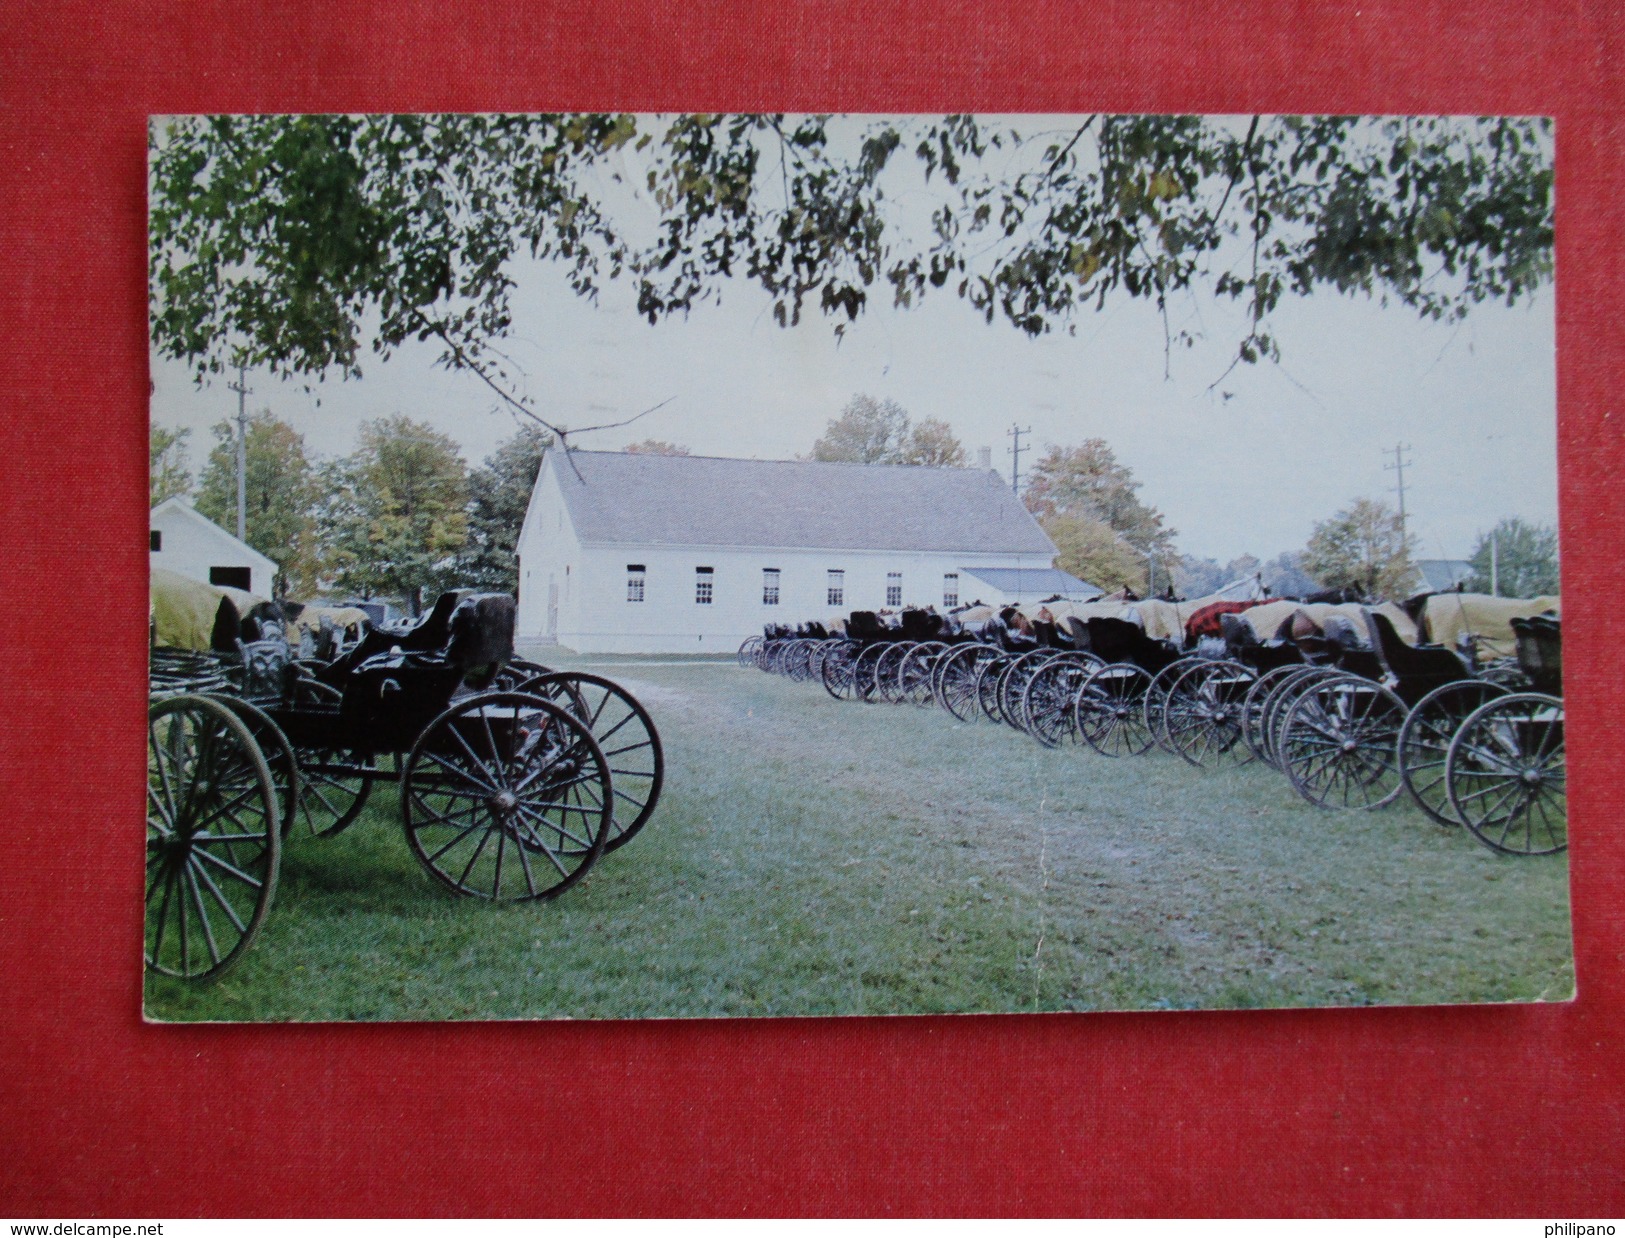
(628, 553)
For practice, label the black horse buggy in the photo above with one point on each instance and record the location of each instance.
(513, 779)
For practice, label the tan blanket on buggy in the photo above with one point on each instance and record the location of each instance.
(1449, 616)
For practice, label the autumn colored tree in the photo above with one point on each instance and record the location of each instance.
(1087, 480)
(655, 447)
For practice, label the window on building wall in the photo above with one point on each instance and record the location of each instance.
(703, 577)
(157, 539)
(950, 588)
(231, 577)
(894, 588)
(770, 586)
(634, 582)
(837, 587)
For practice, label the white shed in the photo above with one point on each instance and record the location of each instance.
(658, 554)
(191, 544)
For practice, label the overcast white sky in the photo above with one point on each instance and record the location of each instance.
(1248, 466)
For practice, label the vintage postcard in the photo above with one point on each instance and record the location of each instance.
(655, 566)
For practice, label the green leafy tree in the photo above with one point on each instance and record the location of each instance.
(1362, 547)
(868, 431)
(498, 495)
(1088, 481)
(1525, 558)
(296, 243)
(279, 492)
(1095, 552)
(655, 447)
(171, 468)
(396, 516)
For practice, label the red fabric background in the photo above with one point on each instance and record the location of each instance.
(1476, 1110)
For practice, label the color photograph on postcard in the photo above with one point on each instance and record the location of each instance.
(672, 566)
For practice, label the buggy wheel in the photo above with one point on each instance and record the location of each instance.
(839, 671)
(1048, 700)
(863, 670)
(333, 788)
(1424, 742)
(1339, 743)
(1280, 703)
(279, 755)
(1254, 705)
(987, 685)
(1156, 697)
(624, 732)
(954, 680)
(507, 797)
(1013, 682)
(1507, 775)
(1109, 711)
(887, 666)
(748, 650)
(214, 840)
(915, 676)
(1203, 717)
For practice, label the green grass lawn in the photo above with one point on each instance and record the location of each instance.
(811, 856)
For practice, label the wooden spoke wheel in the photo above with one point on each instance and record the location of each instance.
(627, 736)
(1013, 682)
(1254, 705)
(506, 796)
(1280, 704)
(1048, 701)
(887, 666)
(748, 651)
(1156, 696)
(914, 676)
(1339, 743)
(839, 670)
(214, 840)
(279, 756)
(954, 680)
(1507, 777)
(1424, 742)
(864, 685)
(1109, 712)
(988, 676)
(1203, 717)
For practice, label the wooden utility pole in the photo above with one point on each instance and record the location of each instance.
(1016, 449)
(243, 392)
(1398, 469)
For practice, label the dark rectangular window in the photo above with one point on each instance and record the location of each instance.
(770, 586)
(703, 577)
(634, 582)
(231, 577)
(837, 587)
(157, 539)
(950, 588)
(894, 588)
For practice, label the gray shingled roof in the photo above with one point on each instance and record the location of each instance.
(708, 501)
(1044, 580)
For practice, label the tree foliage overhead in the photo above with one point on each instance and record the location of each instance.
(396, 514)
(171, 471)
(298, 243)
(280, 493)
(1525, 560)
(1363, 547)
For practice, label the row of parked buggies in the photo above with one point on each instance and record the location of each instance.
(1351, 712)
(514, 779)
